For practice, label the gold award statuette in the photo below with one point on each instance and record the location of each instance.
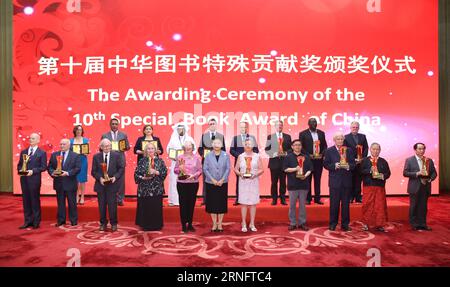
(425, 167)
(300, 161)
(248, 167)
(106, 178)
(182, 175)
(316, 152)
(343, 163)
(25, 159)
(206, 152)
(359, 152)
(281, 152)
(151, 165)
(375, 173)
(58, 170)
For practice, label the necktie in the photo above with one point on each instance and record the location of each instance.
(213, 136)
(106, 160)
(63, 158)
(31, 152)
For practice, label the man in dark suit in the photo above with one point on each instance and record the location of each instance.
(30, 182)
(353, 140)
(237, 147)
(340, 181)
(65, 184)
(314, 144)
(206, 144)
(107, 191)
(115, 136)
(421, 172)
(277, 156)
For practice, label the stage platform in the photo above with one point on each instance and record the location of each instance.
(397, 211)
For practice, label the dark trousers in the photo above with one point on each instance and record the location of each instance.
(107, 200)
(71, 196)
(204, 189)
(340, 200)
(317, 175)
(278, 175)
(31, 202)
(121, 192)
(356, 187)
(418, 208)
(187, 194)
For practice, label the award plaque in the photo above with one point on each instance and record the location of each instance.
(248, 167)
(425, 167)
(58, 170)
(25, 160)
(375, 173)
(122, 145)
(206, 152)
(281, 152)
(115, 145)
(81, 148)
(182, 175)
(343, 163)
(300, 161)
(144, 144)
(174, 153)
(151, 165)
(106, 178)
(359, 152)
(316, 150)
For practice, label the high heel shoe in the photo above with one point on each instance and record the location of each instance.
(253, 228)
(219, 228)
(214, 228)
(81, 201)
(244, 228)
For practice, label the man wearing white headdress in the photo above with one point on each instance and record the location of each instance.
(177, 140)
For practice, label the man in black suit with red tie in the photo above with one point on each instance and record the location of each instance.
(314, 144)
(30, 182)
(277, 156)
(355, 141)
(112, 163)
(237, 147)
(65, 182)
(340, 181)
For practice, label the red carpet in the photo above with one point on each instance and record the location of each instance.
(271, 245)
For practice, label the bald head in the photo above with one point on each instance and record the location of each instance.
(34, 139)
(64, 144)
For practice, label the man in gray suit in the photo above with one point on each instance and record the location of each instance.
(107, 190)
(115, 136)
(421, 172)
(206, 145)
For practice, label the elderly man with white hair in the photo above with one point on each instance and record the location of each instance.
(64, 166)
(339, 161)
(32, 162)
(108, 167)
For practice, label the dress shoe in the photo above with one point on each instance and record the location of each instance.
(380, 229)
(365, 227)
(359, 202)
(59, 224)
(303, 227)
(36, 226)
(426, 228)
(25, 226)
(74, 224)
(308, 203)
(318, 202)
(191, 228)
(274, 202)
(102, 228)
(292, 227)
(113, 228)
(332, 227)
(120, 203)
(346, 228)
(283, 201)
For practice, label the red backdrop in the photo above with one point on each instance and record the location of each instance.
(402, 105)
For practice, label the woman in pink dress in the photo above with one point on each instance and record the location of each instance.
(249, 168)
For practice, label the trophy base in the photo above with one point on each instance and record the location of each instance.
(425, 176)
(23, 172)
(57, 173)
(183, 177)
(107, 181)
(247, 175)
(282, 154)
(344, 165)
(377, 176)
(300, 176)
(316, 156)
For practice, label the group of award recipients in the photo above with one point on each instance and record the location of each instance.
(294, 165)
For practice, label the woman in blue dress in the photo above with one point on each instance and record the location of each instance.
(78, 133)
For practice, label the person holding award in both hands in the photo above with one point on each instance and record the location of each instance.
(63, 167)
(149, 176)
(188, 167)
(249, 168)
(298, 167)
(80, 145)
(277, 147)
(120, 144)
(108, 167)
(421, 172)
(340, 162)
(375, 171)
(32, 162)
(142, 142)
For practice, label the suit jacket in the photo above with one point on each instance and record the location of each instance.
(116, 169)
(362, 140)
(414, 182)
(237, 146)
(206, 143)
(366, 171)
(138, 146)
(308, 142)
(217, 170)
(37, 163)
(272, 147)
(72, 165)
(338, 178)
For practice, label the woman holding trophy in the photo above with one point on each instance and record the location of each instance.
(149, 176)
(248, 169)
(188, 167)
